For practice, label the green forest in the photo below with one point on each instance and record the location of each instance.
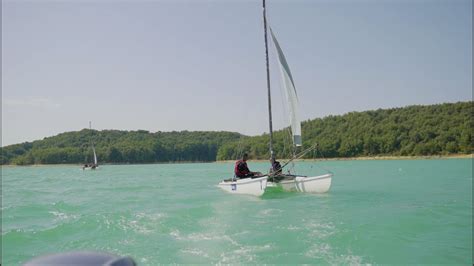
(440, 129)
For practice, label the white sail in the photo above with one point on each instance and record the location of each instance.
(95, 155)
(290, 93)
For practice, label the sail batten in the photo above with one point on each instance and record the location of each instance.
(290, 92)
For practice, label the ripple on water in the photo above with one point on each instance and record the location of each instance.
(219, 248)
(195, 252)
(325, 253)
(320, 230)
(269, 213)
(141, 223)
(243, 254)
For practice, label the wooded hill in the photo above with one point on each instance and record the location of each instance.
(440, 129)
(114, 146)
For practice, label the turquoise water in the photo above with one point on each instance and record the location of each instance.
(377, 212)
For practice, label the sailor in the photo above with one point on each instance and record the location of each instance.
(241, 169)
(276, 167)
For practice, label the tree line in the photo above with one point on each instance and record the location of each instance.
(114, 146)
(439, 129)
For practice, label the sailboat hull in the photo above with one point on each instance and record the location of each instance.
(90, 168)
(306, 184)
(247, 186)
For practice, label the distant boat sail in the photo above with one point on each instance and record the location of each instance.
(95, 155)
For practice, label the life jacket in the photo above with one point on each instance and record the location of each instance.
(241, 169)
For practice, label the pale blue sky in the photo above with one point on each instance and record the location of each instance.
(200, 65)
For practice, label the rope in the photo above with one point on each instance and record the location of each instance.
(322, 156)
(299, 155)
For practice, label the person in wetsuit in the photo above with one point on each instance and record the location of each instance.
(276, 167)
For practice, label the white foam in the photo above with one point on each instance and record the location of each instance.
(270, 213)
(320, 230)
(325, 252)
(176, 235)
(319, 251)
(196, 252)
(138, 226)
(237, 253)
(62, 216)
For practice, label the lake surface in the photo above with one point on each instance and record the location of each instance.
(377, 212)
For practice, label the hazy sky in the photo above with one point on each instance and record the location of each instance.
(200, 65)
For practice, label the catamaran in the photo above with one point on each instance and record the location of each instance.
(276, 178)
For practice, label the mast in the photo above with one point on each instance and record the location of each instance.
(268, 85)
(90, 132)
(90, 140)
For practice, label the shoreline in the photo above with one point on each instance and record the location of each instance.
(363, 158)
(427, 157)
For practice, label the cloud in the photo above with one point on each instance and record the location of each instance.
(43, 103)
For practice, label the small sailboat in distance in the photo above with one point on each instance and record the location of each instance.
(94, 165)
